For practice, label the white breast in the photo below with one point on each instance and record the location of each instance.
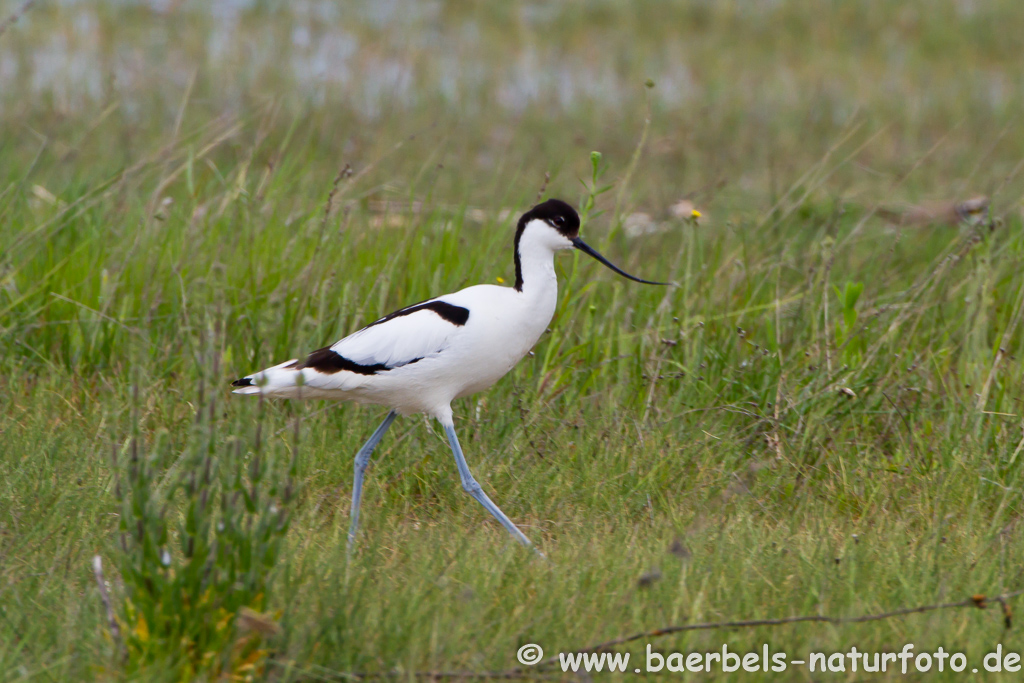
(503, 326)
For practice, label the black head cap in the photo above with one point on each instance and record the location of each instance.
(556, 213)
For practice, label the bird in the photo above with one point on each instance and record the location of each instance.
(420, 358)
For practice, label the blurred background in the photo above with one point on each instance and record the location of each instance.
(747, 96)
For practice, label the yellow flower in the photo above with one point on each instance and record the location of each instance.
(695, 213)
(142, 629)
(501, 280)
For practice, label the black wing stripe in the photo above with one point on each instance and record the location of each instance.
(329, 361)
(456, 315)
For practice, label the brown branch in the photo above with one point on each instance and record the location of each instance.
(979, 601)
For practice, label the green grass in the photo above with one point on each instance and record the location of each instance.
(756, 442)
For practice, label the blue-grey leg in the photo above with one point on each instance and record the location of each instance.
(362, 460)
(473, 488)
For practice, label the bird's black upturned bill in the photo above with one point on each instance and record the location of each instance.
(590, 251)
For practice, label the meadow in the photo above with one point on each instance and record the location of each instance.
(821, 417)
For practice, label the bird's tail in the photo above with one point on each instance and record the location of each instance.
(279, 380)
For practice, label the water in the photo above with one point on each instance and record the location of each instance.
(372, 56)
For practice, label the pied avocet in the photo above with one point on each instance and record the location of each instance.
(420, 358)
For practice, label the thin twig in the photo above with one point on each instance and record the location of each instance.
(979, 601)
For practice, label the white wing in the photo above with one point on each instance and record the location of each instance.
(406, 336)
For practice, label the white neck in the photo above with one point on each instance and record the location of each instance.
(537, 266)
(536, 285)
(538, 296)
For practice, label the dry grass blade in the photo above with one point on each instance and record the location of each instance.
(97, 569)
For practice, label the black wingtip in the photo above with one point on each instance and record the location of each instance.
(244, 382)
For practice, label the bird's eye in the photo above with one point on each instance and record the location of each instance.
(559, 220)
